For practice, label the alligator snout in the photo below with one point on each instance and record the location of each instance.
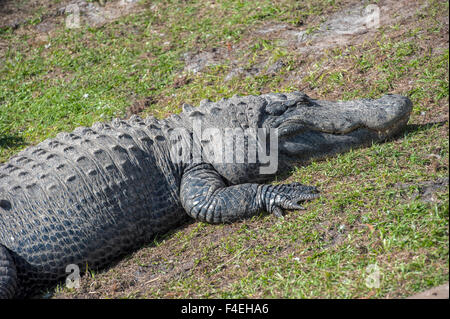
(325, 127)
(388, 113)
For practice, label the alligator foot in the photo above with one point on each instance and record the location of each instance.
(286, 196)
(206, 197)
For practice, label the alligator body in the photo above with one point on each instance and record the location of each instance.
(93, 195)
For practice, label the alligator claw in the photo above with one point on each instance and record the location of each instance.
(278, 212)
(288, 196)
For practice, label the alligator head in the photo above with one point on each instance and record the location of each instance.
(309, 128)
(306, 128)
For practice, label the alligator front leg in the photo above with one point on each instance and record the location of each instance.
(206, 197)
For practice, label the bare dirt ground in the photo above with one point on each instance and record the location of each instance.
(17, 13)
(41, 17)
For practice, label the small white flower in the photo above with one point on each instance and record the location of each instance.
(85, 95)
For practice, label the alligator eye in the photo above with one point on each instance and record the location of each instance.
(5, 204)
(276, 108)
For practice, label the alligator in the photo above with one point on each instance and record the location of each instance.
(89, 197)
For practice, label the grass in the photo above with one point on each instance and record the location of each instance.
(370, 212)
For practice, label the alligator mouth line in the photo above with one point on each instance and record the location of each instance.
(293, 127)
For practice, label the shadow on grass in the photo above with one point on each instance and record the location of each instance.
(155, 241)
(8, 141)
(417, 128)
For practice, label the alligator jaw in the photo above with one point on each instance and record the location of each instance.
(325, 128)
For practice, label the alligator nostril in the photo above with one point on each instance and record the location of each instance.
(5, 204)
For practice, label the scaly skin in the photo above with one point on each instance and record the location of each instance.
(93, 195)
